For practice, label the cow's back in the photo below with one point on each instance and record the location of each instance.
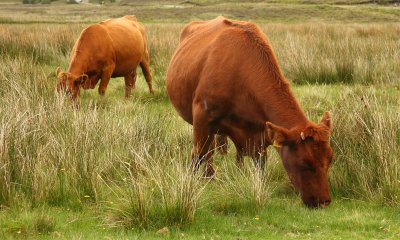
(128, 41)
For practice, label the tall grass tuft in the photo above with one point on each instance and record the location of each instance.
(44, 224)
(156, 192)
(367, 147)
(245, 189)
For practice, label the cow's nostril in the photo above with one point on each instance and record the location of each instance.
(314, 203)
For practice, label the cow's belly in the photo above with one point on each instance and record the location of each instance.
(123, 68)
(180, 93)
(182, 81)
(126, 61)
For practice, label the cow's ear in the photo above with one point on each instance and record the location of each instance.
(326, 120)
(320, 131)
(81, 79)
(277, 135)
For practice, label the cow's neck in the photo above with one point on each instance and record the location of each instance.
(279, 104)
(77, 66)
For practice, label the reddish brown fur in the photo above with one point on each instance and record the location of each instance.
(111, 48)
(224, 79)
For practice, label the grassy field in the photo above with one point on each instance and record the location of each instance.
(117, 169)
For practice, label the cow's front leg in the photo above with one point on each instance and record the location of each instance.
(221, 143)
(239, 157)
(203, 148)
(105, 78)
(91, 82)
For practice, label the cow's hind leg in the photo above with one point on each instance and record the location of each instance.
(203, 148)
(221, 143)
(145, 65)
(130, 80)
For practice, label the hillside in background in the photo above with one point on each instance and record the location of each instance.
(183, 11)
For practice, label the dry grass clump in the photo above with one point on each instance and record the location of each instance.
(156, 191)
(366, 139)
(242, 189)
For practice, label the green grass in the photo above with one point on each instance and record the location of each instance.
(281, 218)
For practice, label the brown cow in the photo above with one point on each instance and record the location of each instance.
(111, 48)
(224, 79)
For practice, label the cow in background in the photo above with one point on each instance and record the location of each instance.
(111, 48)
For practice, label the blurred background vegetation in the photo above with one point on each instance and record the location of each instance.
(285, 11)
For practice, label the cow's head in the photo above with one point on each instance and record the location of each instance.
(306, 156)
(68, 83)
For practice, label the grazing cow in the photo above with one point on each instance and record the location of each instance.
(111, 48)
(224, 79)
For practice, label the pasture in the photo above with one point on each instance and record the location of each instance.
(117, 169)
